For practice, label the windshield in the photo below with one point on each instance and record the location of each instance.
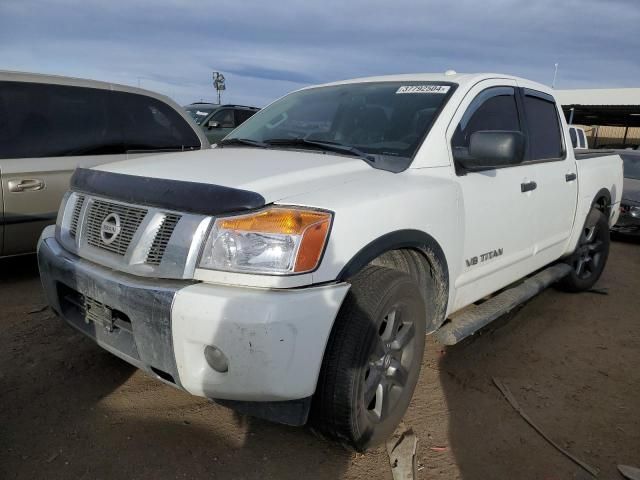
(199, 113)
(631, 166)
(387, 119)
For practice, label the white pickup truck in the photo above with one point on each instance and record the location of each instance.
(293, 272)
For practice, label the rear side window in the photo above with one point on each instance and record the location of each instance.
(243, 115)
(574, 137)
(545, 139)
(41, 120)
(224, 118)
(493, 109)
(149, 124)
(583, 140)
(52, 120)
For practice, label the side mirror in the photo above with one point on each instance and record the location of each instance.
(491, 149)
(213, 124)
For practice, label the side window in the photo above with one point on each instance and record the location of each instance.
(224, 118)
(41, 120)
(493, 109)
(545, 139)
(243, 115)
(583, 139)
(149, 124)
(574, 137)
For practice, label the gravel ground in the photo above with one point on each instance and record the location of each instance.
(70, 410)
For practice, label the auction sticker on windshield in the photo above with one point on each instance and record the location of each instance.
(423, 89)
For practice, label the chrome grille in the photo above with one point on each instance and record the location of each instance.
(130, 220)
(161, 240)
(75, 216)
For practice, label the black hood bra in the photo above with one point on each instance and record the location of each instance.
(189, 197)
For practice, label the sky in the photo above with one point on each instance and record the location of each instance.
(268, 48)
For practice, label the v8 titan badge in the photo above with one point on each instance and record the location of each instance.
(110, 228)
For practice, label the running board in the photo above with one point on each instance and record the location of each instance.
(474, 317)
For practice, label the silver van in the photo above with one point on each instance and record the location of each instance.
(50, 125)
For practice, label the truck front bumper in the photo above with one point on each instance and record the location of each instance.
(273, 341)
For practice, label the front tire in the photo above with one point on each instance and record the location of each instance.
(589, 258)
(372, 360)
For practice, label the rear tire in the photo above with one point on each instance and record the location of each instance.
(589, 258)
(372, 360)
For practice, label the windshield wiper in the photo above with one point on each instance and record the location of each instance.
(243, 141)
(323, 145)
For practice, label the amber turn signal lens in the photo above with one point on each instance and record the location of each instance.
(312, 244)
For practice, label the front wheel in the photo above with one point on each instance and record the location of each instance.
(590, 256)
(372, 360)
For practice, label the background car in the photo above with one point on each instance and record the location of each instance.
(629, 220)
(217, 121)
(50, 125)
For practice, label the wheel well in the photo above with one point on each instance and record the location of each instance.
(602, 202)
(430, 274)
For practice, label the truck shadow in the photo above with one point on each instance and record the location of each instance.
(69, 409)
(567, 360)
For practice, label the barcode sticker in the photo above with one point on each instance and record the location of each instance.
(423, 89)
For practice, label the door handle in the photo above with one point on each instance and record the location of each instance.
(26, 185)
(528, 187)
(570, 177)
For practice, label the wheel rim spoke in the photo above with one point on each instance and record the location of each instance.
(371, 385)
(579, 265)
(397, 374)
(390, 325)
(403, 337)
(595, 246)
(378, 350)
(589, 233)
(380, 399)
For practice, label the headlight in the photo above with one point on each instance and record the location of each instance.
(277, 240)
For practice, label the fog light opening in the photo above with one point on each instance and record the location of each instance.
(216, 359)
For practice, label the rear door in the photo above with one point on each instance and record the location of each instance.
(498, 226)
(556, 175)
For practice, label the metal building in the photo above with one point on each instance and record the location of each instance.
(613, 114)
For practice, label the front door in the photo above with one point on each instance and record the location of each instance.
(498, 215)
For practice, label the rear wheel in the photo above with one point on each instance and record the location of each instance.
(372, 360)
(590, 256)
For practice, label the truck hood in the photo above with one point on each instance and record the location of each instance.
(274, 174)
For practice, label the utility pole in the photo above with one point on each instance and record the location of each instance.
(219, 84)
(555, 74)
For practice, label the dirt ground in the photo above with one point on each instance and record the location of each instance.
(69, 410)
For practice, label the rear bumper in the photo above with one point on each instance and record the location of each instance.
(274, 340)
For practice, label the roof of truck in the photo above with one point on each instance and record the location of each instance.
(462, 79)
